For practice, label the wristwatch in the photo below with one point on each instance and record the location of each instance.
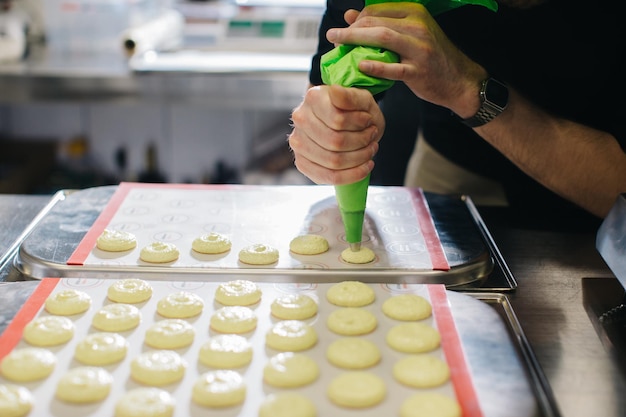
(494, 96)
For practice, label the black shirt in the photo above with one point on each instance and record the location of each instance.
(566, 56)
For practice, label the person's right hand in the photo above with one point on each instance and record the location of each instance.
(335, 134)
(430, 64)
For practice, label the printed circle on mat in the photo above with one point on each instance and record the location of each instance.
(239, 292)
(68, 302)
(170, 334)
(48, 331)
(258, 254)
(226, 351)
(407, 307)
(400, 229)
(430, 404)
(233, 319)
(98, 349)
(28, 364)
(413, 338)
(116, 318)
(223, 388)
(406, 248)
(351, 321)
(158, 367)
(180, 305)
(357, 389)
(85, 384)
(15, 401)
(116, 241)
(421, 371)
(350, 294)
(145, 402)
(211, 243)
(287, 404)
(353, 353)
(159, 252)
(294, 307)
(290, 370)
(291, 336)
(130, 291)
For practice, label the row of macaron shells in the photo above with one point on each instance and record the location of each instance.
(233, 294)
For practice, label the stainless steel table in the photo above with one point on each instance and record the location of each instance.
(550, 268)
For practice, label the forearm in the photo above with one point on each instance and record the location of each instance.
(583, 165)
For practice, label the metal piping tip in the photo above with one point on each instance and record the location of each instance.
(355, 247)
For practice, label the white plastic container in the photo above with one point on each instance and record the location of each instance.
(94, 25)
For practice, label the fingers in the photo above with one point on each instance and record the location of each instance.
(323, 167)
(384, 26)
(350, 16)
(335, 134)
(340, 117)
(394, 72)
(393, 10)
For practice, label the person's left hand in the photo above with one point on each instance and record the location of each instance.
(335, 134)
(430, 64)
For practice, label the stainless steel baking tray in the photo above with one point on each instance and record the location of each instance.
(18, 216)
(545, 402)
(469, 249)
(507, 378)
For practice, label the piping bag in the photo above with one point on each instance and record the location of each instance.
(340, 66)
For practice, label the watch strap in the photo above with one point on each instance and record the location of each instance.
(489, 108)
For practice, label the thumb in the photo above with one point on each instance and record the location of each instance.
(350, 99)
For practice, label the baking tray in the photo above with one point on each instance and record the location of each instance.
(500, 303)
(18, 216)
(507, 379)
(474, 259)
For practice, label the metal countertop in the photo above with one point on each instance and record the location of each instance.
(16, 213)
(549, 267)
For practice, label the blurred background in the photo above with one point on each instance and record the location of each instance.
(94, 92)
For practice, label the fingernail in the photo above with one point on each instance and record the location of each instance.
(331, 35)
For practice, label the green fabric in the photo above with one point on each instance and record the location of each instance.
(340, 65)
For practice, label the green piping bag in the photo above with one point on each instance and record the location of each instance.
(340, 67)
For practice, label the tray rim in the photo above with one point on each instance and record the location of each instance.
(464, 277)
(538, 381)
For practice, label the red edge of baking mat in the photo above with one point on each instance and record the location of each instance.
(431, 237)
(453, 351)
(13, 333)
(89, 240)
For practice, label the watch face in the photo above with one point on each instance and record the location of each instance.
(496, 93)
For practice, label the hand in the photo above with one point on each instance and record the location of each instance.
(430, 64)
(335, 134)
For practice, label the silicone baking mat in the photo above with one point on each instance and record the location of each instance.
(460, 384)
(398, 226)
